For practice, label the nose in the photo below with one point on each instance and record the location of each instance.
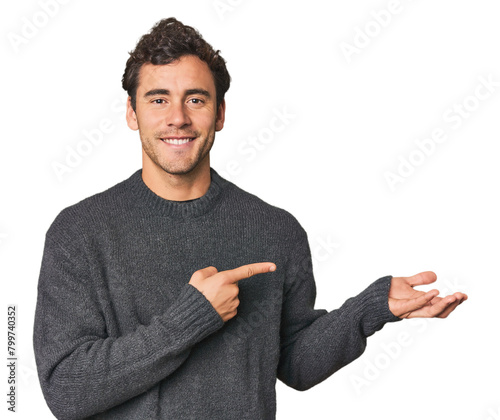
(178, 115)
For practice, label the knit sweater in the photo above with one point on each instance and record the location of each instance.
(120, 334)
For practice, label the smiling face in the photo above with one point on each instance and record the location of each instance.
(176, 115)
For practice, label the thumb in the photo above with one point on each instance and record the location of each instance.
(426, 277)
(203, 274)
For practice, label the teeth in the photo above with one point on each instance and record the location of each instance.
(176, 141)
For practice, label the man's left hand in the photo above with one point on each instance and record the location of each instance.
(405, 302)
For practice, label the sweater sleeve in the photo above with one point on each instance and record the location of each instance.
(82, 370)
(316, 343)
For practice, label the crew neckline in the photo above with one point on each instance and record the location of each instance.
(178, 209)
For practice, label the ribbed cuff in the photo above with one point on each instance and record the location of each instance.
(374, 304)
(192, 318)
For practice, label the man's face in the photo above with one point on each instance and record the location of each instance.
(176, 115)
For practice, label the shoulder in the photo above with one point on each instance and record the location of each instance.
(91, 212)
(248, 206)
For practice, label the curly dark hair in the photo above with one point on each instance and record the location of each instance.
(168, 41)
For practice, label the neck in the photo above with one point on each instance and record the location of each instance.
(183, 187)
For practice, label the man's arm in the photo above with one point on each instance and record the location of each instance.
(317, 343)
(83, 370)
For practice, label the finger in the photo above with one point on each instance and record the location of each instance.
(246, 271)
(440, 309)
(406, 308)
(208, 271)
(426, 277)
(203, 273)
(459, 298)
(448, 309)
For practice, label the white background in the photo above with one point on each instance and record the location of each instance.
(355, 116)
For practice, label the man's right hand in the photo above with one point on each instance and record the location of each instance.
(221, 289)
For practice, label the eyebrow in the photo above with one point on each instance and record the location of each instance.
(197, 91)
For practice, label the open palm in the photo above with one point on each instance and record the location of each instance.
(406, 302)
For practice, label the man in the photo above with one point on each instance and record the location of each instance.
(177, 295)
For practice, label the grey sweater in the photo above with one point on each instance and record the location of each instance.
(120, 334)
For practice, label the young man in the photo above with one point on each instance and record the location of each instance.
(177, 295)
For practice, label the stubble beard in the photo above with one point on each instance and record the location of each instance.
(183, 166)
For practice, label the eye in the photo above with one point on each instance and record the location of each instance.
(196, 101)
(158, 101)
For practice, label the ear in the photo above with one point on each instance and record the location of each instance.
(220, 117)
(131, 116)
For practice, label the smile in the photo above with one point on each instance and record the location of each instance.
(178, 141)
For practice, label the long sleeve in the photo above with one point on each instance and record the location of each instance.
(317, 343)
(83, 370)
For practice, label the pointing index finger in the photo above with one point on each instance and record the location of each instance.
(248, 270)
